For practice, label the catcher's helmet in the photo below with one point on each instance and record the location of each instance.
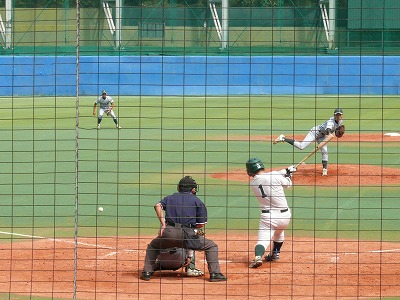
(253, 165)
(338, 111)
(187, 183)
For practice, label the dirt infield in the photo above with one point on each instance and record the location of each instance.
(348, 137)
(108, 268)
(339, 175)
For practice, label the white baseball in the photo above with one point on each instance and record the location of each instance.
(100, 209)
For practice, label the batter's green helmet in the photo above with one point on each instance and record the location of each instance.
(253, 165)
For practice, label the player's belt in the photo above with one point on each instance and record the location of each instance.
(178, 225)
(267, 211)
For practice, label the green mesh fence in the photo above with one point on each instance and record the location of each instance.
(77, 199)
(176, 30)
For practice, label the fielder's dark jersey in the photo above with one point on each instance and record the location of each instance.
(184, 208)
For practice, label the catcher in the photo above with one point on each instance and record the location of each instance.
(176, 258)
(317, 134)
(106, 106)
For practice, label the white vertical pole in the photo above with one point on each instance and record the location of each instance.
(8, 41)
(332, 23)
(118, 10)
(225, 24)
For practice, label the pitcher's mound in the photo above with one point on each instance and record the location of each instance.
(342, 174)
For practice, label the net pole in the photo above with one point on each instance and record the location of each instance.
(8, 27)
(225, 24)
(118, 25)
(332, 23)
(76, 145)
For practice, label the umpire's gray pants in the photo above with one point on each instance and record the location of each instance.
(173, 237)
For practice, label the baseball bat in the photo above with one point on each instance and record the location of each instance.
(326, 141)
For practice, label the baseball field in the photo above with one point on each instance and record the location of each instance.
(56, 170)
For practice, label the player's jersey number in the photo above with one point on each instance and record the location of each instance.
(262, 191)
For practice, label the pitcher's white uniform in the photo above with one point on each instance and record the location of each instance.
(275, 213)
(318, 134)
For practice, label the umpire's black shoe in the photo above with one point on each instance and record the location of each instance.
(214, 277)
(145, 276)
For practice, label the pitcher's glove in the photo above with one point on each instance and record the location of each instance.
(340, 131)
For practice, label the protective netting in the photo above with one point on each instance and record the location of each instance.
(194, 94)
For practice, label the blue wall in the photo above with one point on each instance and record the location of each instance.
(200, 75)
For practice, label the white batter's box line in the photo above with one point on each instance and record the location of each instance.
(385, 251)
(374, 251)
(392, 134)
(68, 242)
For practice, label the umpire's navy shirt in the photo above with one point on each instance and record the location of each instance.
(184, 208)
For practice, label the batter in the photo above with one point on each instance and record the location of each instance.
(275, 213)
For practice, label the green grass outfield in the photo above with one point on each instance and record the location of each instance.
(163, 138)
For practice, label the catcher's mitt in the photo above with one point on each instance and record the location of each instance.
(200, 232)
(340, 131)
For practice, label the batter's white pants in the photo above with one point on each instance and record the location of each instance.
(272, 227)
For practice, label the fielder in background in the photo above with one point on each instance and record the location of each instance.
(185, 215)
(268, 187)
(106, 104)
(318, 134)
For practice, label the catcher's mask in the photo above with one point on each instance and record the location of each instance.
(338, 111)
(253, 165)
(186, 184)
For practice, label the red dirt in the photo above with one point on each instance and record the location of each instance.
(348, 137)
(108, 268)
(338, 175)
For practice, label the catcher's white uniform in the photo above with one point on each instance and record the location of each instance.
(275, 213)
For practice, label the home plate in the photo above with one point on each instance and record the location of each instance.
(392, 134)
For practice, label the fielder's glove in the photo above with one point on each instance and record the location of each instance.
(340, 131)
(108, 112)
(290, 170)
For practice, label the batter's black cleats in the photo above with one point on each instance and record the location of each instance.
(272, 257)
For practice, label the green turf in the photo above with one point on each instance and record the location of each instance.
(127, 171)
(22, 297)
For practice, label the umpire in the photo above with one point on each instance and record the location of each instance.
(184, 212)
